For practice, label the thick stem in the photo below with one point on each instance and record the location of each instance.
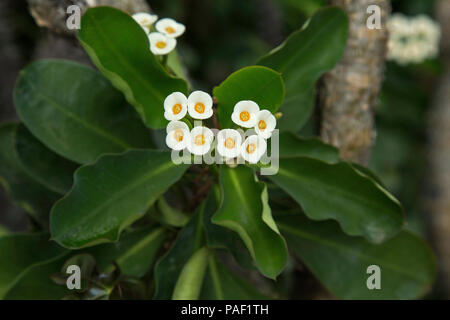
(350, 91)
(437, 195)
(52, 14)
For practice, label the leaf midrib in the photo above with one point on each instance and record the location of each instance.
(76, 118)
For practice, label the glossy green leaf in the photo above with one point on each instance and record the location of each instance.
(221, 283)
(47, 168)
(293, 146)
(36, 283)
(219, 237)
(303, 58)
(260, 84)
(134, 253)
(369, 173)
(244, 209)
(340, 262)
(190, 281)
(170, 216)
(21, 252)
(25, 187)
(110, 195)
(120, 49)
(337, 191)
(168, 268)
(75, 112)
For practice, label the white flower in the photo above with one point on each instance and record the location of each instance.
(412, 40)
(170, 27)
(200, 140)
(160, 44)
(200, 105)
(253, 148)
(244, 113)
(229, 143)
(265, 124)
(145, 20)
(177, 135)
(175, 106)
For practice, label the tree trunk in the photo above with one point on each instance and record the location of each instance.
(438, 185)
(52, 14)
(350, 91)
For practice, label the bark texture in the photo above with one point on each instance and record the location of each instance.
(52, 14)
(438, 195)
(350, 91)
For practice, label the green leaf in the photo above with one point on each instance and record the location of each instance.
(25, 187)
(337, 191)
(168, 215)
(3, 231)
(110, 195)
(303, 58)
(168, 268)
(47, 168)
(244, 209)
(190, 281)
(21, 252)
(75, 112)
(120, 49)
(221, 283)
(134, 253)
(293, 146)
(367, 172)
(219, 237)
(340, 262)
(260, 84)
(36, 282)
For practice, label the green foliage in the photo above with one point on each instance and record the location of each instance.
(120, 49)
(75, 112)
(110, 195)
(303, 58)
(118, 220)
(259, 84)
(407, 264)
(337, 191)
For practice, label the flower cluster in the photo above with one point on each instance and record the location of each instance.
(163, 40)
(412, 40)
(230, 143)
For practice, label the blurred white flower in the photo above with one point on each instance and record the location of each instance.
(244, 113)
(178, 135)
(253, 148)
(175, 106)
(170, 27)
(145, 20)
(200, 105)
(200, 140)
(229, 143)
(265, 124)
(412, 40)
(161, 44)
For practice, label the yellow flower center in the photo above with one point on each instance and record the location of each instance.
(176, 109)
(199, 140)
(251, 147)
(199, 107)
(161, 44)
(170, 30)
(178, 135)
(244, 116)
(229, 143)
(262, 125)
(145, 22)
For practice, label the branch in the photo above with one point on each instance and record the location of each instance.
(350, 91)
(52, 14)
